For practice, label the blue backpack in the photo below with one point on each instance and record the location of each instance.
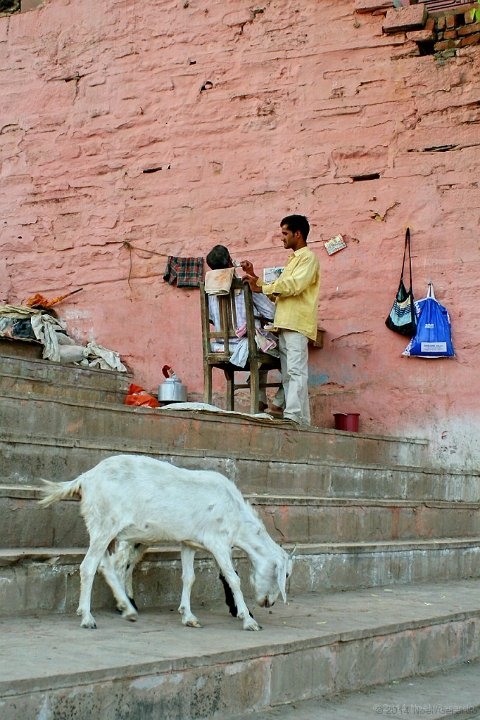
(433, 338)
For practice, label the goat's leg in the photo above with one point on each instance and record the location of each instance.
(117, 586)
(88, 568)
(188, 577)
(224, 560)
(124, 559)
(229, 599)
(137, 553)
(228, 596)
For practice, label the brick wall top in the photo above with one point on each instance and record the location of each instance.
(411, 17)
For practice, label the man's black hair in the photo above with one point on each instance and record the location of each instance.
(297, 222)
(218, 258)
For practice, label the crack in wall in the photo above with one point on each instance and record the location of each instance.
(350, 334)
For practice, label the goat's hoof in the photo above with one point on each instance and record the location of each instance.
(89, 624)
(252, 625)
(193, 623)
(132, 616)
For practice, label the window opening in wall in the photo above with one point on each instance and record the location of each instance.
(7, 7)
(432, 5)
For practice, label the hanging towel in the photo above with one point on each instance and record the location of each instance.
(186, 272)
(219, 282)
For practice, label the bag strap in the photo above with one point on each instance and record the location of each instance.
(407, 247)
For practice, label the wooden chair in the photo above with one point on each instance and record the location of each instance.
(221, 359)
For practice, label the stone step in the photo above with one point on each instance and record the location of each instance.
(452, 693)
(317, 646)
(27, 459)
(35, 579)
(288, 518)
(104, 426)
(26, 377)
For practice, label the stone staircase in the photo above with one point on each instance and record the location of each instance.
(369, 516)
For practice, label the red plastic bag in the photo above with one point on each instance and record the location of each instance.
(138, 396)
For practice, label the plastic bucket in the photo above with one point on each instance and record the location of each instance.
(346, 421)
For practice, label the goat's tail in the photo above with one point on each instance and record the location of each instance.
(55, 491)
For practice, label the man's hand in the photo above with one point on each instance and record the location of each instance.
(247, 267)
(250, 276)
(252, 281)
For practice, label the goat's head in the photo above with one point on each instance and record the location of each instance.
(269, 578)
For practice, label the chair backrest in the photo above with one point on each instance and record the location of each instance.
(228, 322)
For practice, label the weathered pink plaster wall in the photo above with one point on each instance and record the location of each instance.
(300, 99)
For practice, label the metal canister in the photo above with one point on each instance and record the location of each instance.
(172, 390)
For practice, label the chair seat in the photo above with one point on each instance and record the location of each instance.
(265, 359)
(218, 357)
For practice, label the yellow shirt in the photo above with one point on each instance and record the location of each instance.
(296, 293)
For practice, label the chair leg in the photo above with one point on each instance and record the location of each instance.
(207, 383)
(254, 389)
(229, 377)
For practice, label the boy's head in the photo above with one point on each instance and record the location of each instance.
(219, 258)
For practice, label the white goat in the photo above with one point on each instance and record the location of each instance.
(138, 499)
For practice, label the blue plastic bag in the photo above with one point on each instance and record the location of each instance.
(433, 338)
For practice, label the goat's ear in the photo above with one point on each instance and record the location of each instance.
(281, 580)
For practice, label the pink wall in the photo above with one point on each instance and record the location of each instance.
(304, 97)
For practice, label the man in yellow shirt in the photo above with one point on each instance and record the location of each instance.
(295, 293)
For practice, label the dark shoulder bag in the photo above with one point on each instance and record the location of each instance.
(403, 317)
